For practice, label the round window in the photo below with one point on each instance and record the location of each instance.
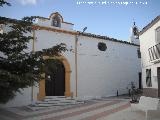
(102, 46)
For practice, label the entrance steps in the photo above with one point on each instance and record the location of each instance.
(55, 101)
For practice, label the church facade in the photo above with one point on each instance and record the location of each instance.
(94, 66)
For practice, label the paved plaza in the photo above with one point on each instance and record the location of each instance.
(97, 109)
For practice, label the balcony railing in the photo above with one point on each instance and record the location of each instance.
(154, 53)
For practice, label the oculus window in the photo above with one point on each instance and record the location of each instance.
(102, 46)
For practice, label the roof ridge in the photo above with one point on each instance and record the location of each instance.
(155, 20)
(106, 38)
(86, 34)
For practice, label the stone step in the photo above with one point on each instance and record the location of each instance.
(51, 100)
(54, 97)
(80, 102)
(49, 105)
(45, 102)
(54, 102)
(62, 99)
(34, 108)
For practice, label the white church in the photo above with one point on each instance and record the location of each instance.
(96, 66)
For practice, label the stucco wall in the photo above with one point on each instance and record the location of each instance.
(107, 71)
(47, 39)
(23, 98)
(100, 73)
(47, 23)
(147, 40)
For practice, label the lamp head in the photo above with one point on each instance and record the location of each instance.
(84, 29)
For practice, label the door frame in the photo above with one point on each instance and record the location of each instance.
(41, 95)
(140, 80)
(158, 81)
(55, 85)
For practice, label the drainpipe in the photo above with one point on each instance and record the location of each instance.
(76, 66)
(33, 50)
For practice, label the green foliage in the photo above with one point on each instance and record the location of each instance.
(3, 2)
(19, 68)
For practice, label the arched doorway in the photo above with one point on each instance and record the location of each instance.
(42, 91)
(54, 78)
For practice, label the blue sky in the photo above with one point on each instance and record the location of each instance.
(110, 19)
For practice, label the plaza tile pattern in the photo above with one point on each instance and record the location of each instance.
(104, 109)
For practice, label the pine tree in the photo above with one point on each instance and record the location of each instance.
(3, 2)
(20, 69)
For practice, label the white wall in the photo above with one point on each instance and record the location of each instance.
(43, 22)
(23, 98)
(105, 71)
(99, 73)
(67, 26)
(47, 39)
(102, 73)
(147, 40)
(47, 23)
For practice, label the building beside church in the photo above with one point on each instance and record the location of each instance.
(150, 50)
(94, 66)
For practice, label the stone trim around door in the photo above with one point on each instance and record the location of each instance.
(41, 95)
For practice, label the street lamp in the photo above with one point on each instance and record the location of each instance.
(76, 66)
(84, 29)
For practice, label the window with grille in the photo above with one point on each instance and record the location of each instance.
(148, 78)
(158, 35)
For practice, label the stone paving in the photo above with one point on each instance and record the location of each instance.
(101, 109)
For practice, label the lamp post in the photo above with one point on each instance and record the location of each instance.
(76, 66)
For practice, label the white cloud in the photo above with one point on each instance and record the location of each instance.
(28, 2)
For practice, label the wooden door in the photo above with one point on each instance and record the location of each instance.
(54, 78)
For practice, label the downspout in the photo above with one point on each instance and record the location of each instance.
(76, 66)
(33, 50)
